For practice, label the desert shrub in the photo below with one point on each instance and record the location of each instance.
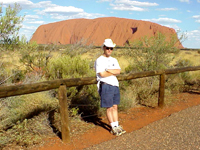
(174, 83)
(143, 91)
(184, 63)
(85, 99)
(68, 67)
(32, 58)
(26, 133)
(9, 75)
(147, 90)
(18, 108)
(151, 53)
(182, 79)
(78, 48)
(50, 47)
(65, 66)
(18, 76)
(154, 53)
(129, 96)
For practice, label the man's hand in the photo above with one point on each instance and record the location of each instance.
(110, 72)
(114, 71)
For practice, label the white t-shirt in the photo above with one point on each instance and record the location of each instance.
(101, 64)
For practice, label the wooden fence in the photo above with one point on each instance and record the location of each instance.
(14, 90)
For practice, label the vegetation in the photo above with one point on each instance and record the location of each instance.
(10, 25)
(23, 111)
(26, 119)
(152, 53)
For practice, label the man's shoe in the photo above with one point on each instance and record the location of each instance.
(121, 129)
(116, 131)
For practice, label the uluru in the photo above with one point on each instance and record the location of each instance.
(94, 31)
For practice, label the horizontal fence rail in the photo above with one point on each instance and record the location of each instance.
(14, 90)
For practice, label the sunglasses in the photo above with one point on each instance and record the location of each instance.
(111, 48)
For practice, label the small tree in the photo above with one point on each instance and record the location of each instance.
(33, 59)
(152, 53)
(10, 25)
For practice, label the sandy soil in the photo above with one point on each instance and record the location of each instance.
(131, 120)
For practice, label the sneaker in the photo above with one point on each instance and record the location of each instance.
(116, 131)
(121, 129)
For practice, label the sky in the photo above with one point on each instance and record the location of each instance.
(182, 15)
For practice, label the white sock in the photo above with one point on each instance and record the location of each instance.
(114, 124)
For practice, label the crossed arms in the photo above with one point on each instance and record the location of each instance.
(110, 72)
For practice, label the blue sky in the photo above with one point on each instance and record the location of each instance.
(182, 15)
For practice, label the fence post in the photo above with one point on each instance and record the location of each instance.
(62, 94)
(161, 91)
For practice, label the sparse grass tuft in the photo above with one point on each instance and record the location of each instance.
(128, 96)
(18, 108)
(27, 132)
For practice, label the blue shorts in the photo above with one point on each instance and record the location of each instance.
(110, 95)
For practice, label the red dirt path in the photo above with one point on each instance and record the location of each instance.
(132, 120)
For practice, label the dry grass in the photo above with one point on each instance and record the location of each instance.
(26, 106)
(11, 59)
(93, 54)
(30, 131)
(25, 133)
(192, 56)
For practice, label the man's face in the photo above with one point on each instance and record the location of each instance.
(108, 51)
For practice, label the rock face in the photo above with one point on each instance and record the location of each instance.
(94, 31)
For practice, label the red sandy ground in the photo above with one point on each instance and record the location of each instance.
(132, 120)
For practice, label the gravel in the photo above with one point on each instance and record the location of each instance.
(180, 131)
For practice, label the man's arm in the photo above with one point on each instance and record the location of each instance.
(110, 72)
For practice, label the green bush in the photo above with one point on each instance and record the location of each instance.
(184, 63)
(10, 26)
(151, 53)
(69, 67)
(32, 58)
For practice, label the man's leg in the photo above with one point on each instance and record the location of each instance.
(112, 114)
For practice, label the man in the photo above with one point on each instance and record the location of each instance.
(107, 68)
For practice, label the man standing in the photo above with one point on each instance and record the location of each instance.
(107, 68)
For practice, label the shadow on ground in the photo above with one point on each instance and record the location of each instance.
(97, 121)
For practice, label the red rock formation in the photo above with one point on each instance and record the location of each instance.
(94, 31)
